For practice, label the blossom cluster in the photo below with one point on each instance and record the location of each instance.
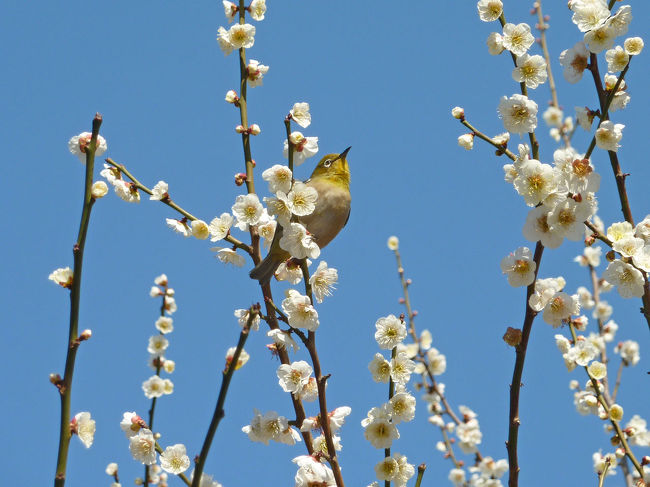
(155, 386)
(380, 425)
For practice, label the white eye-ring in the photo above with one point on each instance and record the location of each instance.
(327, 163)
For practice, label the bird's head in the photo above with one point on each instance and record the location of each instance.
(334, 167)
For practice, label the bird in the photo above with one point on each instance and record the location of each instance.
(331, 180)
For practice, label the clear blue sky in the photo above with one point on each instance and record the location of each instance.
(380, 77)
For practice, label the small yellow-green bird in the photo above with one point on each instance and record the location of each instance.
(331, 179)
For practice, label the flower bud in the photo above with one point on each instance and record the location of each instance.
(99, 189)
(231, 97)
(200, 229)
(512, 336)
(240, 129)
(466, 141)
(85, 335)
(254, 129)
(458, 113)
(240, 178)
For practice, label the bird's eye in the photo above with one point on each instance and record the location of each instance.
(327, 163)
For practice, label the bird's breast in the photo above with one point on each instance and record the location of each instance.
(331, 212)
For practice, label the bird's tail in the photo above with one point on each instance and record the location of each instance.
(264, 271)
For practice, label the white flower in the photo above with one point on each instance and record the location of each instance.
(489, 10)
(530, 70)
(621, 20)
(99, 189)
(517, 38)
(537, 228)
(401, 368)
(519, 267)
(179, 226)
(174, 459)
(80, 143)
(220, 226)
(437, 361)
(560, 307)
(257, 9)
(585, 117)
(495, 43)
(143, 447)
(628, 280)
(393, 241)
(302, 199)
(597, 370)
(601, 460)
(157, 345)
(379, 430)
(457, 476)
(200, 229)
(608, 135)
(395, 469)
(574, 61)
(169, 366)
(279, 178)
(491, 469)
(582, 353)
(466, 141)
(519, 114)
(402, 407)
(390, 332)
(160, 191)
(84, 427)
(313, 473)
(379, 368)
(638, 432)
(242, 36)
(153, 387)
(230, 10)
(131, 423)
(278, 206)
(111, 469)
(553, 116)
(165, 325)
(303, 147)
(127, 191)
(290, 271)
(568, 217)
(323, 281)
(629, 351)
(248, 210)
(267, 231)
(64, 277)
(206, 480)
(535, 181)
(545, 289)
(617, 59)
(255, 72)
(641, 259)
(628, 246)
(600, 37)
(243, 315)
(642, 229)
(111, 173)
(293, 377)
(298, 242)
(267, 427)
(633, 46)
(223, 38)
(588, 14)
(283, 340)
(300, 114)
(469, 435)
(299, 310)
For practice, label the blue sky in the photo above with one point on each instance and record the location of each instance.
(379, 78)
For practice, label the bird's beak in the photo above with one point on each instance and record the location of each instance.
(344, 153)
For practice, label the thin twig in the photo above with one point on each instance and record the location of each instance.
(72, 345)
